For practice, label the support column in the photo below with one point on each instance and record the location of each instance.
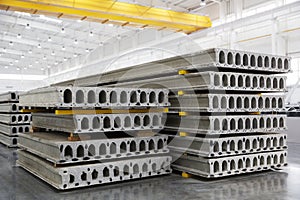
(238, 8)
(278, 41)
(223, 11)
(233, 39)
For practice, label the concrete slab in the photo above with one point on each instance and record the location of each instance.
(63, 178)
(56, 148)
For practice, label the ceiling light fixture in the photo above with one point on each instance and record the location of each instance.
(10, 63)
(27, 26)
(79, 20)
(63, 48)
(75, 41)
(19, 36)
(53, 53)
(30, 51)
(111, 25)
(119, 37)
(44, 58)
(63, 30)
(101, 44)
(37, 62)
(11, 43)
(18, 68)
(168, 6)
(25, 68)
(87, 50)
(5, 66)
(49, 39)
(30, 65)
(4, 50)
(48, 66)
(16, 61)
(65, 59)
(91, 34)
(22, 56)
(39, 46)
(56, 63)
(42, 69)
(75, 55)
(202, 2)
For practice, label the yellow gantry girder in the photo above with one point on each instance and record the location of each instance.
(113, 11)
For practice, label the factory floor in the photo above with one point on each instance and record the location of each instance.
(16, 183)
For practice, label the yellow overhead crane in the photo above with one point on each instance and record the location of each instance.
(114, 12)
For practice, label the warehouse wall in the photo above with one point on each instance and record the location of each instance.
(266, 29)
(20, 85)
(293, 129)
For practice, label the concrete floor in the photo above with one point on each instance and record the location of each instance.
(16, 183)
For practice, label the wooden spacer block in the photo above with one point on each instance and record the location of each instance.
(182, 72)
(182, 114)
(186, 175)
(183, 134)
(180, 93)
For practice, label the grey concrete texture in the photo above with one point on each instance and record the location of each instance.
(227, 146)
(253, 61)
(64, 178)
(98, 123)
(227, 124)
(202, 60)
(228, 103)
(14, 130)
(9, 141)
(11, 107)
(212, 80)
(12, 96)
(11, 118)
(56, 148)
(91, 97)
(228, 166)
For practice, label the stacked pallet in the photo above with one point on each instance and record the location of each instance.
(226, 110)
(99, 147)
(12, 120)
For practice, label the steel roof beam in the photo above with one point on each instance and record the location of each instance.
(116, 11)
